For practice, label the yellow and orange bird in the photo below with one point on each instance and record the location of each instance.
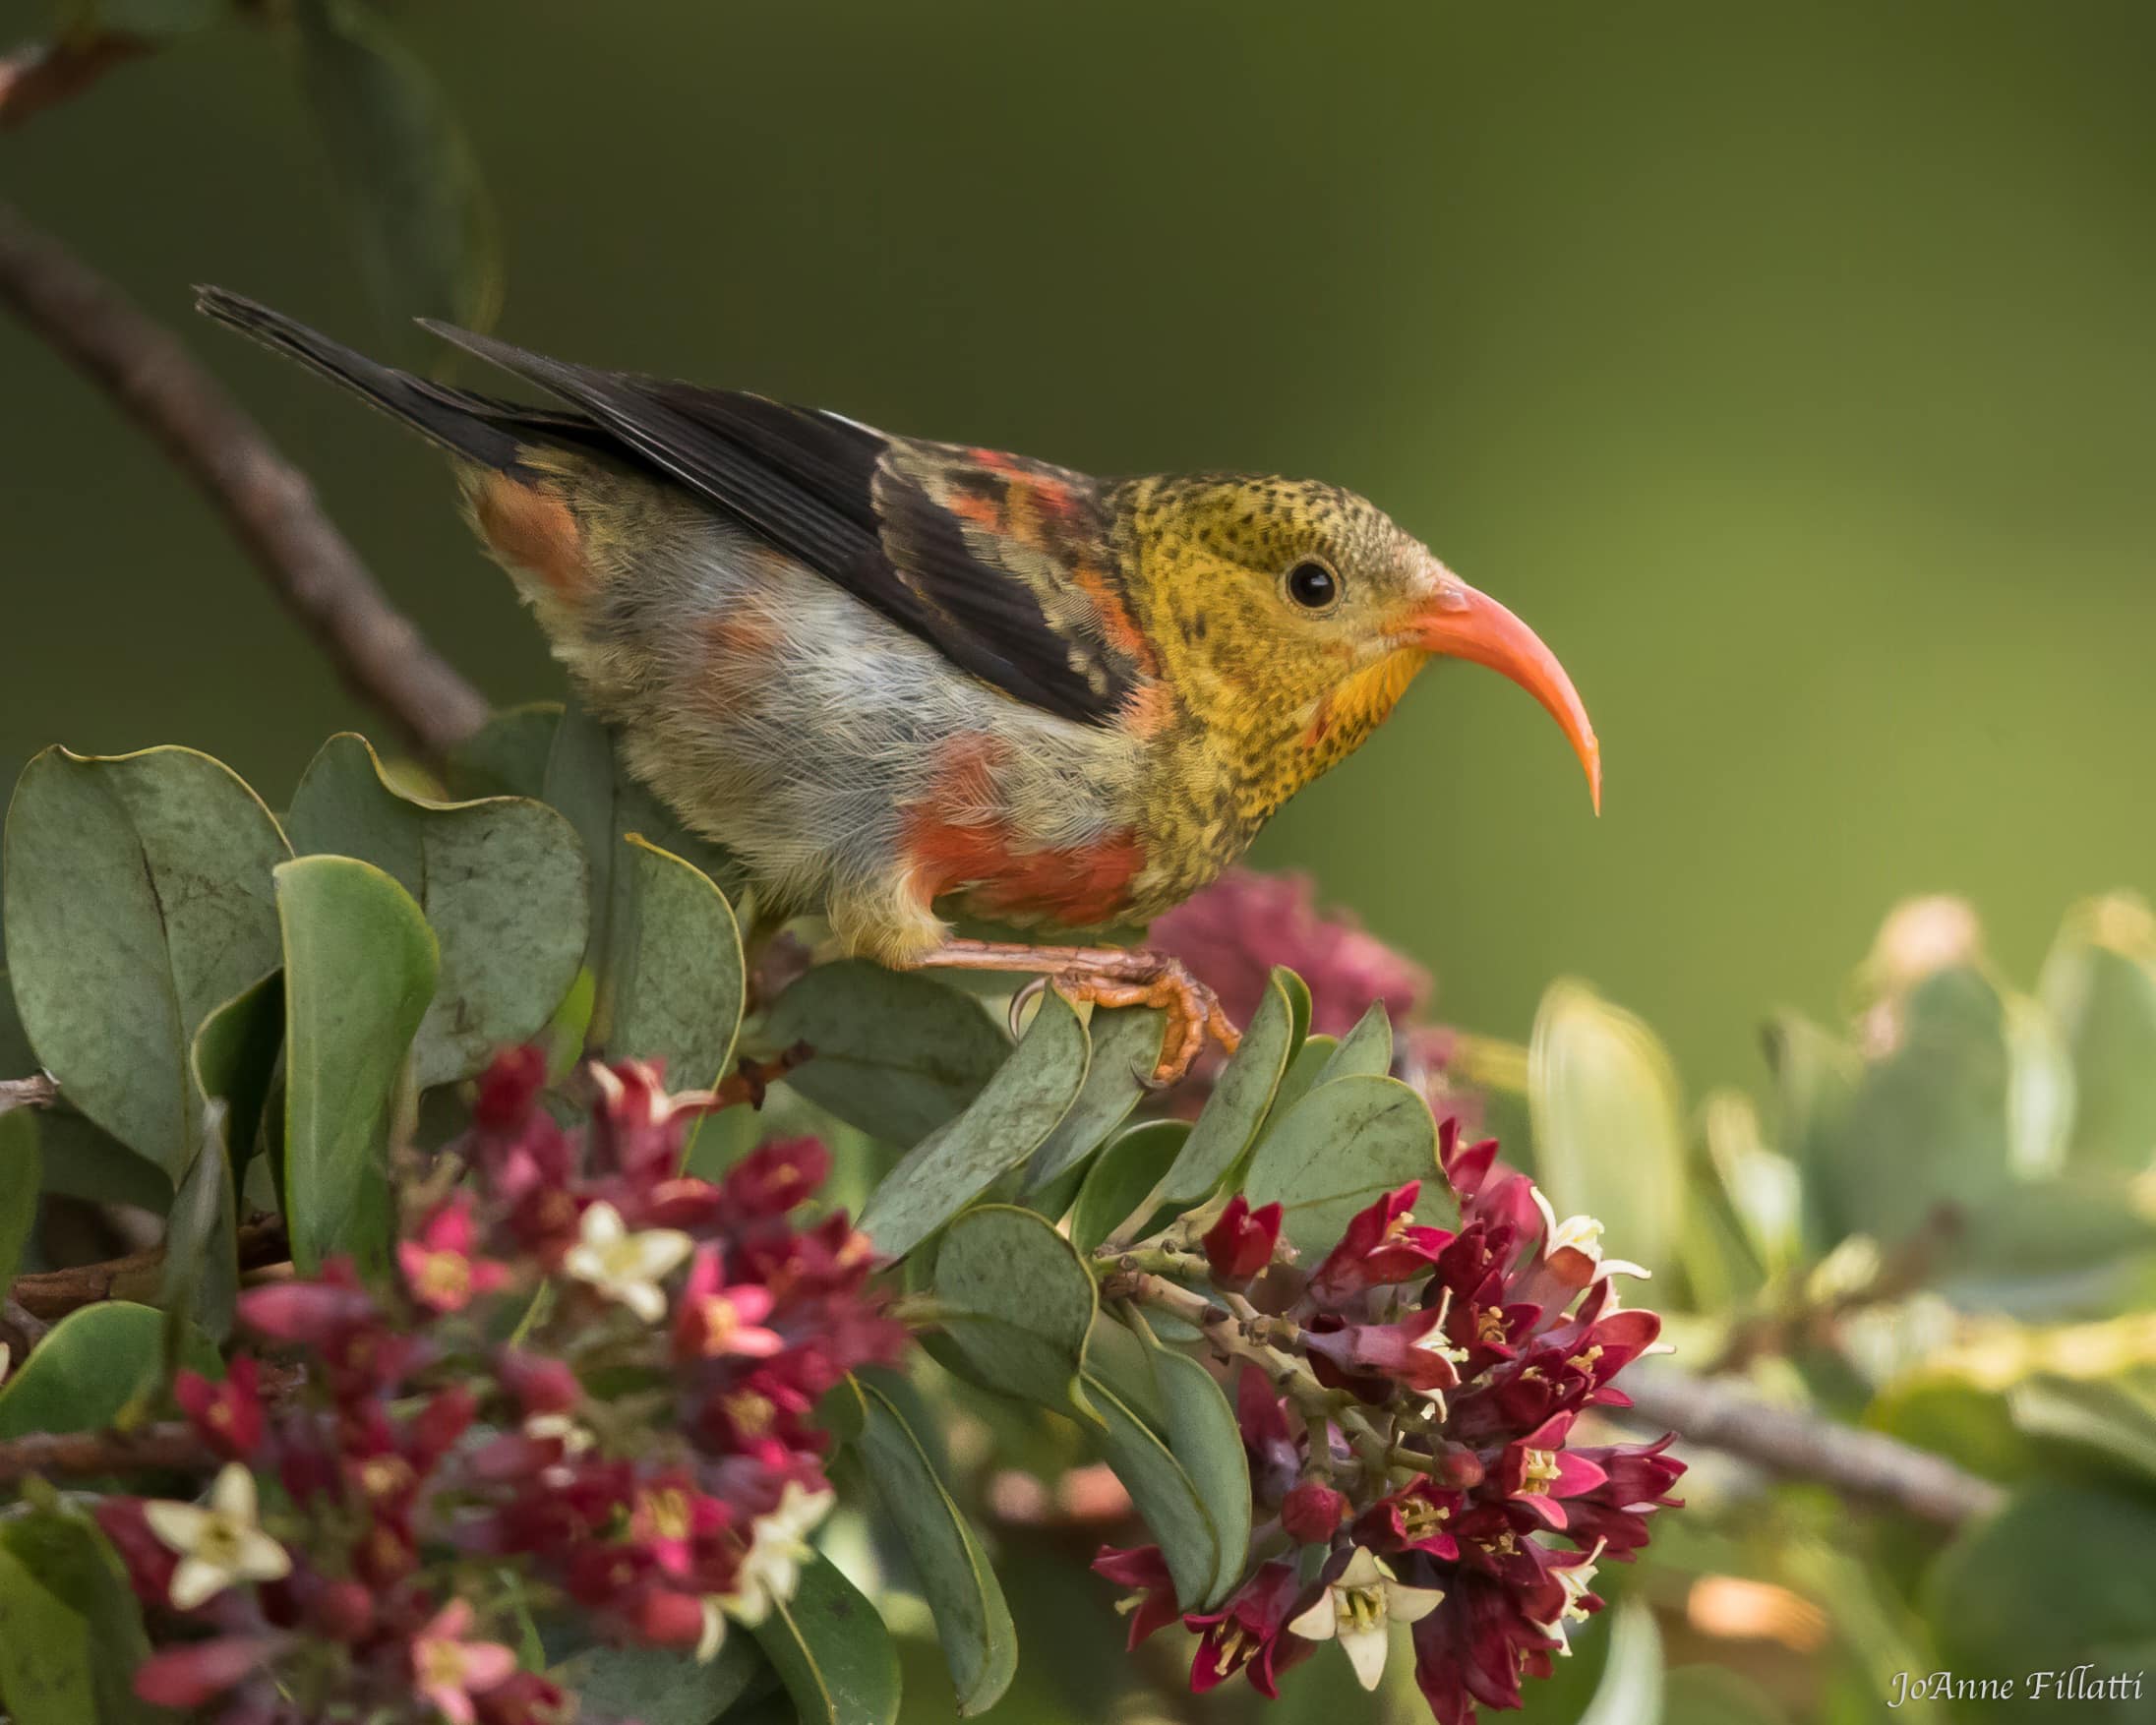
(902, 679)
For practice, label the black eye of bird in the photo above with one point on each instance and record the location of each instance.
(1312, 585)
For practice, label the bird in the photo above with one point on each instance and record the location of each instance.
(906, 682)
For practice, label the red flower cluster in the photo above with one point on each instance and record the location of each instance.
(1447, 1495)
(351, 1556)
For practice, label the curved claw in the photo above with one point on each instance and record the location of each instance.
(1034, 988)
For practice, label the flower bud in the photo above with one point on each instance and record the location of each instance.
(1242, 1242)
(1312, 1513)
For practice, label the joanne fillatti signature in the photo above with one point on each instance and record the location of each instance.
(2078, 1683)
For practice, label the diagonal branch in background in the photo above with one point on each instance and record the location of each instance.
(267, 501)
(1796, 1445)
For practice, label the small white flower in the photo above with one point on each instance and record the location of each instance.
(1581, 1235)
(217, 1545)
(770, 1569)
(713, 1637)
(622, 1266)
(1358, 1608)
(1577, 1580)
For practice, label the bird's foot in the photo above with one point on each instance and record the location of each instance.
(1110, 975)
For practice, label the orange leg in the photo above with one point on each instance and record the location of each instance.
(1108, 976)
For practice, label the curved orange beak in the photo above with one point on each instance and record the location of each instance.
(1462, 624)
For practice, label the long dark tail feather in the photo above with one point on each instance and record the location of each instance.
(462, 423)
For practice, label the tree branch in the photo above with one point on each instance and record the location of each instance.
(1802, 1446)
(51, 1294)
(35, 1091)
(264, 500)
(173, 1444)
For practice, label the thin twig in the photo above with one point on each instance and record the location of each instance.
(35, 1091)
(51, 1294)
(264, 500)
(171, 1444)
(1802, 1446)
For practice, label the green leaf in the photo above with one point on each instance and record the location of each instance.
(972, 1619)
(426, 233)
(69, 1559)
(138, 898)
(1928, 1121)
(1019, 1303)
(1124, 1178)
(658, 1687)
(359, 969)
(45, 1659)
(1203, 1438)
(2099, 986)
(1339, 1149)
(85, 1160)
(832, 1652)
(586, 781)
(1816, 1076)
(1765, 1191)
(234, 1063)
(1365, 1050)
(1005, 1124)
(896, 1053)
(677, 974)
(22, 1178)
(1164, 1495)
(507, 756)
(1713, 1695)
(1630, 1689)
(1609, 1137)
(502, 883)
(1126, 1047)
(1241, 1094)
(2059, 1577)
(2107, 1419)
(1301, 1076)
(89, 1366)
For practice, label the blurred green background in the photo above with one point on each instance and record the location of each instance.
(1791, 369)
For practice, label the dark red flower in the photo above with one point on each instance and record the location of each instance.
(1613, 1516)
(200, 1671)
(1150, 1603)
(712, 1318)
(775, 1178)
(1417, 1518)
(1382, 1247)
(440, 1270)
(149, 1562)
(314, 1313)
(1536, 1470)
(1242, 1241)
(1246, 1633)
(1372, 1360)
(1268, 1440)
(228, 1416)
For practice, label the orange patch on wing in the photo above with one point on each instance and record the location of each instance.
(953, 850)
(1117, 626)
(533, 529)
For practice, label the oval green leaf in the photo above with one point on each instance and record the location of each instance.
(138, 898)
(1240, 1097)
(832, 1652)
(897, 1054)
(657, 1685)
(972, 1619)
(1630, 1689)
(1339, 1149)
(89, 1366)
(677, 978)
(1005, 1124)
(1366, 1050)
(502, 883)
(1609, 1135)
(2099, 988)
(359, 969)
(1019, 1302)
(1123, 1182)
(507, 756)
(1164, 1495)
(1126, 1047)
(1205, 1440)
(69, 1559)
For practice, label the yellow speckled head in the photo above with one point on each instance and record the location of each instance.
(1289, 617)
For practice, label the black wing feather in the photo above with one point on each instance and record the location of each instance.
(817, 488)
